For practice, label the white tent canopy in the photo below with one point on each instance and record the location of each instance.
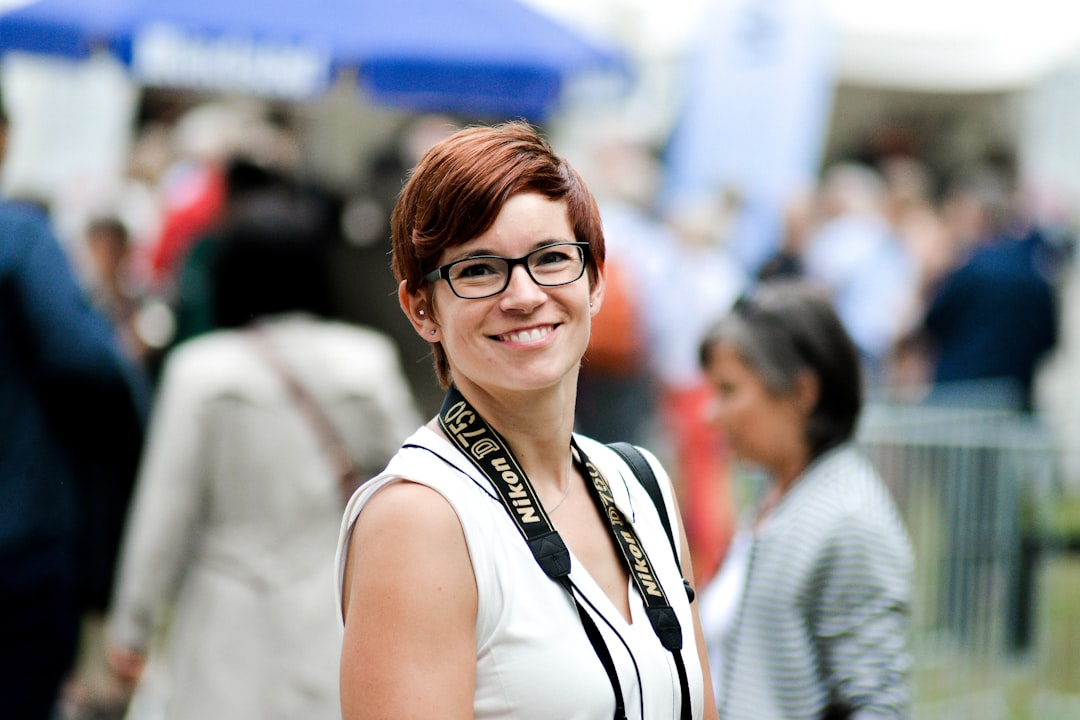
(922, 45)
(954, 45)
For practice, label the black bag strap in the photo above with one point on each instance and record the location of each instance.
(601, 649)
(633, 457)
(645, 475)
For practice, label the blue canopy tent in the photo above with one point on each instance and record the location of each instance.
(479, 57)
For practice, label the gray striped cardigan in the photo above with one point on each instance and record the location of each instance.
(825, 611)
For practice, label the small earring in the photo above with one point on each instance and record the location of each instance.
(421, 313)
(590, 304)
(432, 332)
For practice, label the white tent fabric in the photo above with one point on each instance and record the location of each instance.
(954, 45)
(920, 45)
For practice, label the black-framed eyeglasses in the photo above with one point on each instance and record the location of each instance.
(482, 276)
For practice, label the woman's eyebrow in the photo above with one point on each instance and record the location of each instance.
(475, 252)
(488, 252)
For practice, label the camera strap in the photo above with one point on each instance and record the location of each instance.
(492, 456)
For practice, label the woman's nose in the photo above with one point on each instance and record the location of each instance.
(522, 288)
(714, 411)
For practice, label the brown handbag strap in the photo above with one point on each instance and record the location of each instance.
(348, 476)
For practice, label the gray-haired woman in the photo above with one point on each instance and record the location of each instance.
(809, 615)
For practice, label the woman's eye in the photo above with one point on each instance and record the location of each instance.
(476, 269)
(552, 257)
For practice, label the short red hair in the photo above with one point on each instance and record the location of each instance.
(460, 185)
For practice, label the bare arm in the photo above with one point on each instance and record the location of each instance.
(410, 604)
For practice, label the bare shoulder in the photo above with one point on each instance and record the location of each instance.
(408, 534)
(410, 609)
(406, 507)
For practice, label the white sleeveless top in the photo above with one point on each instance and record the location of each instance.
(534, 661)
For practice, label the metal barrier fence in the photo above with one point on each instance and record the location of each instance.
(973, 485)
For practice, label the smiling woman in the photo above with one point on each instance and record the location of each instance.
(499, 254)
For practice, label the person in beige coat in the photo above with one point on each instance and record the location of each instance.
(226, 584)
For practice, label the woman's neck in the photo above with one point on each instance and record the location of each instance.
(537, 426)
(784, 477)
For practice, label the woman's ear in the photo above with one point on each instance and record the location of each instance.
(807, 392)
(596, 291)
(417, 308)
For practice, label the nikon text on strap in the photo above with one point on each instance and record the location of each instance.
(644, 474)
(491, 454)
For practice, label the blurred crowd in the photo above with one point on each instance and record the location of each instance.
(949, 284)
(203, 367)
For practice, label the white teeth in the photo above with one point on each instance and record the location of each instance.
(528, 335)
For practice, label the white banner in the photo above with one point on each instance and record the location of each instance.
(754, 124)
(170, 56)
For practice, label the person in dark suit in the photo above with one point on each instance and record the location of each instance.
(71, 413)
(993, 318)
